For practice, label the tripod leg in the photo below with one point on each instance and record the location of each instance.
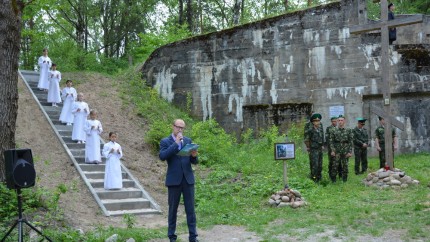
(10, 230)
(35, 229)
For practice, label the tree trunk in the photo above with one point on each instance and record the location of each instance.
(309, 3)
(181, 12)
(190, 15)
(10, 29)
(286, 5)
(236, 12)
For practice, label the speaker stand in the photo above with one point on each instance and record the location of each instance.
(20, 222)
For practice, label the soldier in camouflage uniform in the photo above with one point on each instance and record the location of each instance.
(361, 139)
(341, 148)
(380, 141)
(328, 131)
(314, 140)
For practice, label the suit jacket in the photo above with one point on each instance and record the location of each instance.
(177, 166)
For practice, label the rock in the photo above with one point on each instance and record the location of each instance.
(113, 238)
(272, 202)
(369, 177)
(285, 199)
(278, 201)
(406, 179)
(296, 193)
(396, 176)
(415, 182)
(383, 174)
(395, 182)
(386, 179)
(277, 197)
(130, 240)
(295, 204)
(282, 204)
(273, 197)
(283, 193)
(375, 179)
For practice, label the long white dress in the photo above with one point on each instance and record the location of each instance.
(79, 119)
(113, 175)
(69, 96)
(44, 72)
(54, 87)
(93, 129)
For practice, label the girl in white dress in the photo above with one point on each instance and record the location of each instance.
(54, 86)
(44, 63)
(80, 111)
(69, 96)
(113, 153)
(93, 128)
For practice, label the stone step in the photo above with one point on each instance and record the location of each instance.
(100, 174)
(64, 127)
(81, 161)
(92, 167)
(126, 204)
(124, 193)
(134, 211)
(131, 199)
(65, 133)
(99, 183)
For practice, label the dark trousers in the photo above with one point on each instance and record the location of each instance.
(174, 193)
(360, 160)
(382, 160)
(315, 163)
(340, 167)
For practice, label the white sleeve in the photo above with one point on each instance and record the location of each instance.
(75, 108)
(40, 61)
(100, 127)
(87, 127)
(106, 150)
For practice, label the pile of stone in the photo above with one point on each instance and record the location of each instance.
(395, 178)
(287, 197)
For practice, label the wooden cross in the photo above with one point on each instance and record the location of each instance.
(384, 26)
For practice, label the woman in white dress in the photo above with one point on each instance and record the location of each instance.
(44, 63)
(69, 96)
(54, 96)
(80, 111)
(93, 128)
(113, 153)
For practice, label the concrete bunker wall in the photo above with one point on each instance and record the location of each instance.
(278, 70)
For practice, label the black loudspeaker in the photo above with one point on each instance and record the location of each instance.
(20, 172)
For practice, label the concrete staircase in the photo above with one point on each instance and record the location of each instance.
(131, 199)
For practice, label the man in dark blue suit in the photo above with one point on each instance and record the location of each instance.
(179, 178)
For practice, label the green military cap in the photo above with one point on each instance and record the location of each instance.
(380, 118)
(361, 120)
(334, 117)
(341, 116)
(316, 116)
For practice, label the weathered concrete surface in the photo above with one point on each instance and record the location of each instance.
(276, 71)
